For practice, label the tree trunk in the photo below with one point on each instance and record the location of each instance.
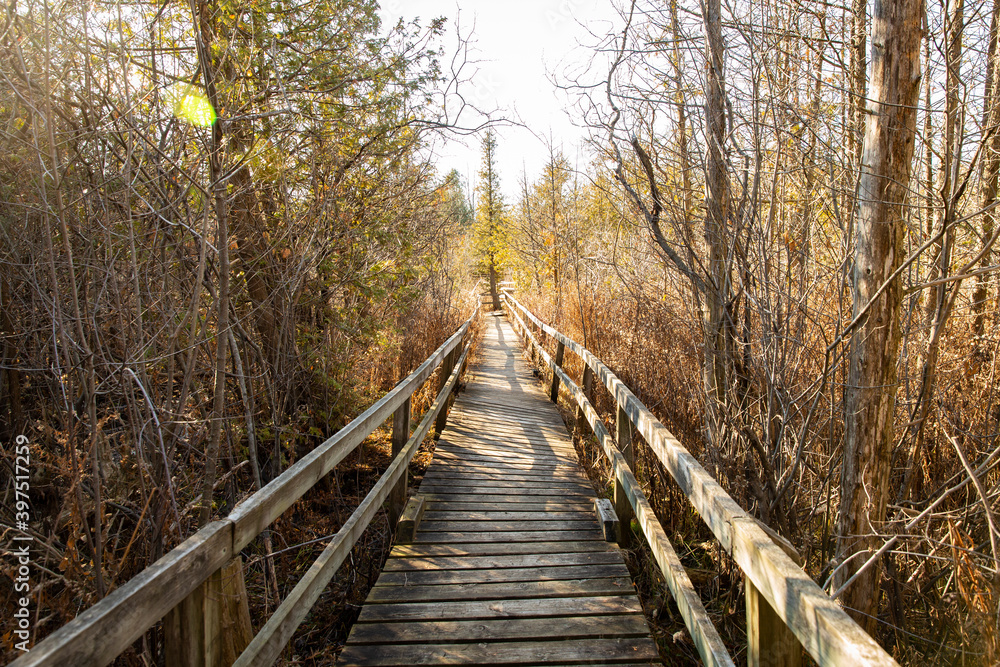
(871, 392)
(205, 35)
(494, 292)
(991, 165)
(859, 66)
(717, 329)
(937, 309)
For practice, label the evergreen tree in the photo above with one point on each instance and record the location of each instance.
(491, 229)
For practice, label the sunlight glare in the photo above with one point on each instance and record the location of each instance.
(191, 104)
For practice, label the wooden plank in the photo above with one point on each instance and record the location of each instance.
(509, 447)
(501, 515)
(409, 520)
(504, 575)
(540, 561)
(495, 405)
(494, 427)
(546, 421)
(464, 504)
(489, 609)
(505, 653)
(500, 485)
(502, 590)
(507, 526)
(608, 519)
(442, 496)
(191, 630)
(554, 389)
(487, 432)
(400, 435)
(500, 472)
(490, 453)
(499, 489)
(473, 460)
(470, 459)
(500, 548)
(504, 476)
(549, 423)
(514, 536)
(429, 632)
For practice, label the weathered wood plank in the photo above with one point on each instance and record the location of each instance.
(502, 590)
(505, 476)
(502, 485)
(506, 526)
(429, 632)
(592, 651)
(513, 536)
(507, 452)
(469, 459)
(412, 514)
(504, 575)
(487, 609)
(445, 496)
(501, 515)
(498, 489)
(541, 561)
(500, 548)
(542, 505)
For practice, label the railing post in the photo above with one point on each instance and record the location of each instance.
(588, 391)
(554, 392)
(623, 508)
(211, 626)
(400, 434)
(192, 631)
(446, 369)
(769, 641)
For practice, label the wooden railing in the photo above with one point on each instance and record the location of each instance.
(184, 587)
(786, 610)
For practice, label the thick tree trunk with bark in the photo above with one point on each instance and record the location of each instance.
(870, 402)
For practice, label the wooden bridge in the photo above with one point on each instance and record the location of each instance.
(508, 563)
(503, 555)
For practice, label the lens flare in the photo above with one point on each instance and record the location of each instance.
(191, 104)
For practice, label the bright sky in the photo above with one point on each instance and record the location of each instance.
(518, 44)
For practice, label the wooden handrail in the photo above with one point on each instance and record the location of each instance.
(823, 628)
(269, 642)
(706, 638)
(99, 634)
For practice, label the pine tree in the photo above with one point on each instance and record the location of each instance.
(491, 229)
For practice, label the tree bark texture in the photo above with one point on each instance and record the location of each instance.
(887, 157)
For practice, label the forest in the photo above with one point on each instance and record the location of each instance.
(224, 235)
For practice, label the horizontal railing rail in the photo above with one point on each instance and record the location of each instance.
(786, 608)
(183, 587)
(706, 638)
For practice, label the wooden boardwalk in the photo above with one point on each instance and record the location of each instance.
(508, 564)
